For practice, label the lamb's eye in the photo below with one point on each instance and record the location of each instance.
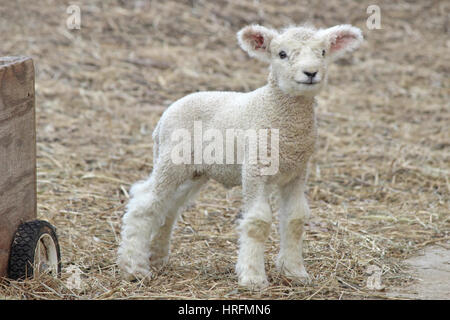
(282, 55)
(323, 53)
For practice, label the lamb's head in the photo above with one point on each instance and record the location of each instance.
(299, 56)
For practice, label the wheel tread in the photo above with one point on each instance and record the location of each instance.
(23, 247)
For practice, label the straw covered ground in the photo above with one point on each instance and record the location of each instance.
(379, 181)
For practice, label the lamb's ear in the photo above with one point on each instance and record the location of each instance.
(255, 40)
(341, 39)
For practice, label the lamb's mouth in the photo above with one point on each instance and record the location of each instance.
(308, 83)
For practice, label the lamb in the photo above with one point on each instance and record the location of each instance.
(299, 57)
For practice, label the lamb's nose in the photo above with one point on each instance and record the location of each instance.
(310, 74)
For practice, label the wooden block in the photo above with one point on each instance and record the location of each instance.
(17, 150)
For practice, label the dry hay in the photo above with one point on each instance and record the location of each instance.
(379, 182)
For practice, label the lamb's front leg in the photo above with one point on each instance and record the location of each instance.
(254, 230)
(294, 212)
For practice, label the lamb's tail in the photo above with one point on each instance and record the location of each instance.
(155, 137)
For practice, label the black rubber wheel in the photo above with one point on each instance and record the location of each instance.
(35, 249)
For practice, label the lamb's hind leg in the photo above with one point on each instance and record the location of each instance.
(294, 212)
(160, 244)
(146, 213)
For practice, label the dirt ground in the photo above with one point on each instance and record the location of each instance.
(431, 269)
(379, 181)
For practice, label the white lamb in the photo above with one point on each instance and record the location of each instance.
(299, 58)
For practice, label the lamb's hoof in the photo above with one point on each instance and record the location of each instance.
(136, 276)
(295, 272)
(158, 261)
(298, 277)
(253, 282)
(133, 272)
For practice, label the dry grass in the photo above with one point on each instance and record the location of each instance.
(379, 184)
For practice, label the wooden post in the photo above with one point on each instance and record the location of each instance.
(17, 150)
